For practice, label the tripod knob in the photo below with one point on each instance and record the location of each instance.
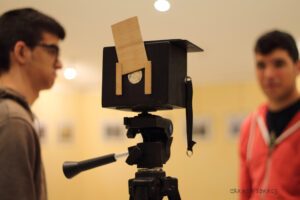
(134, 154)
(131, 133)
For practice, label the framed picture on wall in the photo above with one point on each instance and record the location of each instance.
(233, 125)
(112, 129)
(42, 130)
(65, 132)
(202, 128)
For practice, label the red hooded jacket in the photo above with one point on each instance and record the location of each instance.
(269, 172)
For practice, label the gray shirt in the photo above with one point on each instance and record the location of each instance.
(21, 169)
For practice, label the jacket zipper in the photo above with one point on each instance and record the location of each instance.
(273, 142)
(267, 173)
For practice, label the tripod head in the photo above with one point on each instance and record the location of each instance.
(156, 132)
(153, 152)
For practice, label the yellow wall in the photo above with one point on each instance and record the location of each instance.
(209, 174)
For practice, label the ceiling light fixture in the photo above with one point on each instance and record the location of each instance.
(70, 73)
(162, 5)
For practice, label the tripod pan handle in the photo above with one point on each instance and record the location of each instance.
(71, 168)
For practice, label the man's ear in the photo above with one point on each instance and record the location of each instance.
(21, 52)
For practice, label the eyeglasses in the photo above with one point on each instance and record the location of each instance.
(52, 49)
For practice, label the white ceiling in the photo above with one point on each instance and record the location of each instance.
(226, 30)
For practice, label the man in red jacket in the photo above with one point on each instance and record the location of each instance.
(269, 146)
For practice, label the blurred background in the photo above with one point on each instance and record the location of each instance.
(74, 127)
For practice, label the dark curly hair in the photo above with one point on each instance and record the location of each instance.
(277, 40)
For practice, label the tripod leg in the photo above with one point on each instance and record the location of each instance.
(145, 188)
(141, 193)
(174, 196)
(170, 188)
(139, 189)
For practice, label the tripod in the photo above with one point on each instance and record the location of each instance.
(150, 182)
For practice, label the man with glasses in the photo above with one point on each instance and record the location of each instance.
(28, 62)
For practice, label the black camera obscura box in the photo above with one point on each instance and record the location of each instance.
(168, 72)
